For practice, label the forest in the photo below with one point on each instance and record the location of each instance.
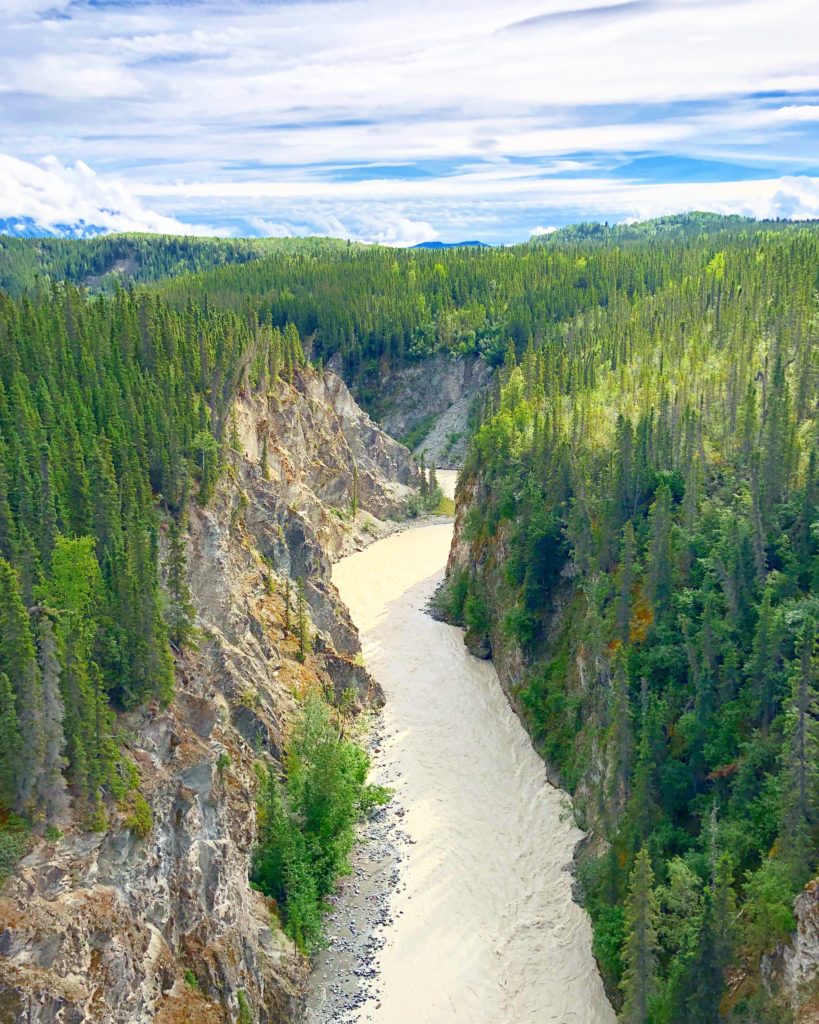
(374, 308)
(640, 504)
(114, 413)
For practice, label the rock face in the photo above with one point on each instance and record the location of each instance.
(439, 391)
(792, 974)
(111, 926)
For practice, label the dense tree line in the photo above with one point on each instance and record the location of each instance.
(376, 309)
(112, 412)
(109, 261)
(645, 527)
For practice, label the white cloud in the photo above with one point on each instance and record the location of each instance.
(52, 194)
(548, 230)
(217, 111)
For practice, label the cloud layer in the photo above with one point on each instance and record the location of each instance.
(401, 121)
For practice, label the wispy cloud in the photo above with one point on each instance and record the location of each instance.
(306, 116)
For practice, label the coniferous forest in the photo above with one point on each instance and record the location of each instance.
(639, 510)
(640, 503)
(112, 415)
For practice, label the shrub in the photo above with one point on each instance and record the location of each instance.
(245, 1012)
(139, 818)
(14, 840)
(307, 823)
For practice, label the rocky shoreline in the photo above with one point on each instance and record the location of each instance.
(344, 982)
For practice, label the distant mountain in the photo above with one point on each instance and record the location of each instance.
(27, 227)
(451, 245)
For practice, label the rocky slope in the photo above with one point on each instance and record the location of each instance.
(435, 398)
(112, 926)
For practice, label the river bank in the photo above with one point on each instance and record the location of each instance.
(460, 905)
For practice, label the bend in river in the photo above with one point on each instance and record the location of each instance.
(485, 930)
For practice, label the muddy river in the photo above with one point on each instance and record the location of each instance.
(483, 928)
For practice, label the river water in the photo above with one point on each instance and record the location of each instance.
(485, 930)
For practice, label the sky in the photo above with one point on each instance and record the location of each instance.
(399, 122)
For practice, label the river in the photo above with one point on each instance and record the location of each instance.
(484, 928)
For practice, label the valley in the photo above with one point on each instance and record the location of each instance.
(483, 912)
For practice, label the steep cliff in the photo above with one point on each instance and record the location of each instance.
(429, 404)
(117, 926)
(567, 661)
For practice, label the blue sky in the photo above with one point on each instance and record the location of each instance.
(396, 121)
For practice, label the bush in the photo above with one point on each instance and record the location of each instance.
(245, 1012)
(770, 893)
(307, 823)
(14, 840)
(419, 432)
(476, 614)
(139, 818)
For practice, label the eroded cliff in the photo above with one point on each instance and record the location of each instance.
(115, 926)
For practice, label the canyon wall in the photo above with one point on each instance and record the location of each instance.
(116, 926)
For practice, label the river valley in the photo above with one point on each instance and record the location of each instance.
(483, 928)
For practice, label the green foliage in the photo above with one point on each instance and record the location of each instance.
(307, 822)
(640, 944)
(651, 468)
(476, 614)
(305, 642)
(768, 908)
(245, 1009)
(111, 411)
(419, 432)
(14, 841)
(139, 818)
(451, 597)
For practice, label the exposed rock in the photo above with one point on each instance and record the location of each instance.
(792, 972)
(109, 927)
(440, 390)
(478, 645)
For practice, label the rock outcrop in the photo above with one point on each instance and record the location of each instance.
(436, 396)
(112, 926)
(791, 974)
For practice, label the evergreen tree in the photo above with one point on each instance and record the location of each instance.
(625, 582)
(304, 625)
(801, 805)
(621, 739)
(179, 611)
(19, 664)
(10, 744)
(55, 797)
(659, 553)
(640, 948)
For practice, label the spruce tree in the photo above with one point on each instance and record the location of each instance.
(304, 624)
(54, 795)
(10, 745)
(19, 663)
(659, 553)
(640, 948)
(179, 611)
(625, 582)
